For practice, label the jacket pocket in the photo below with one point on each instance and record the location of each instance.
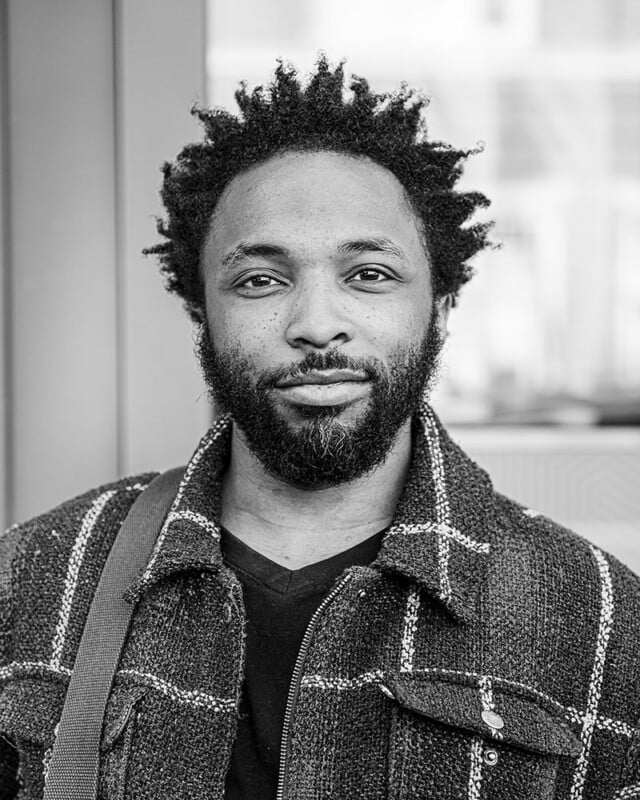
(30, 709)
(121, 720)
(163, 741)
(451, 740)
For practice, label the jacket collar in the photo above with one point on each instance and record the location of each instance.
(444, 520)
(438, 538)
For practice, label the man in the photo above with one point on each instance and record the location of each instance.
(338, 604)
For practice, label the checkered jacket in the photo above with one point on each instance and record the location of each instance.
(486, 653)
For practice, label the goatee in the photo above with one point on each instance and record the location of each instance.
(322, 451)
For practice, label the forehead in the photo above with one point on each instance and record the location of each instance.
(307, 198)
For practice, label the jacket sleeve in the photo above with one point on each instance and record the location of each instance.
(9, 551)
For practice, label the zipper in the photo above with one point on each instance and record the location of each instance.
(294, 686)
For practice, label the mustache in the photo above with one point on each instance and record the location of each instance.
(332, 359)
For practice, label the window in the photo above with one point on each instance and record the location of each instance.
(549, 329)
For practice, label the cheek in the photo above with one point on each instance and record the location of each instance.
(252, 330)
(390, 328)
(414, 322)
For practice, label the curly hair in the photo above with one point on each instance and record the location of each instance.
(285, 116)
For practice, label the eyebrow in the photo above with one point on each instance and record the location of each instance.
(376, 244)
(248, 250)
(243, 250)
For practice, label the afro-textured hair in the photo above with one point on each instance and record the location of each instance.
(285, 116)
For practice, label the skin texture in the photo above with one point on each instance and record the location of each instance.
(287, 275)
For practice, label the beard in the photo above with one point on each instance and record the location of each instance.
(321, 451)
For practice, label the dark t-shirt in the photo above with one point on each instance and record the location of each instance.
(279, 603)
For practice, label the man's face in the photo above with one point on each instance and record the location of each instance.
(322, 328)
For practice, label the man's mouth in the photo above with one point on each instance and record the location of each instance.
(330, 387)
(322, 377)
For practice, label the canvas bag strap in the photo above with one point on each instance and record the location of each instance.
(74, 764)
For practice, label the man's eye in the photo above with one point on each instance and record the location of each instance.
(370, 276)
(259, 282)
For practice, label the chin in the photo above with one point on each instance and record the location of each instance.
(346, 414)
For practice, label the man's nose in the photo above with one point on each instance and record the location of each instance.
(318, 318)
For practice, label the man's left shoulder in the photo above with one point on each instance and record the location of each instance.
(570, 573)
(520, 526)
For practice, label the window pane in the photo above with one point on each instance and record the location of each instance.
(549, 329)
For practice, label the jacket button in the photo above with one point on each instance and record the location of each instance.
(493, 720)
(490, 757)
(226, 613)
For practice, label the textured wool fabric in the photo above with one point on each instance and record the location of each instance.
(485, 654)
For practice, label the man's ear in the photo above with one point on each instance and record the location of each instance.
(441, 308)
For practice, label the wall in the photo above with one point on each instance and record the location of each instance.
(99, 377)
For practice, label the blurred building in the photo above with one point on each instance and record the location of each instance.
(549, 330)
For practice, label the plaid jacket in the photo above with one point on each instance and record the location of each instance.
(486, 653)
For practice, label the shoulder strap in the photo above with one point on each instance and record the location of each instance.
(73, 769)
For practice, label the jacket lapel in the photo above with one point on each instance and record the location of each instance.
(440, 534)
(190, 536)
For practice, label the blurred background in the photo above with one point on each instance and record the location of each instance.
(541, 382)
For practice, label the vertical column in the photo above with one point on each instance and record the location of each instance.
(160, 50)
(5, 471)
(101, 377)
(60, 250)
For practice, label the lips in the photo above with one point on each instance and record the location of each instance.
(326, 387)
(323, 378)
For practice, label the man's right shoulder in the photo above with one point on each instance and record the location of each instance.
(41, 548)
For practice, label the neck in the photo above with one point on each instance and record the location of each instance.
(296, 527)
